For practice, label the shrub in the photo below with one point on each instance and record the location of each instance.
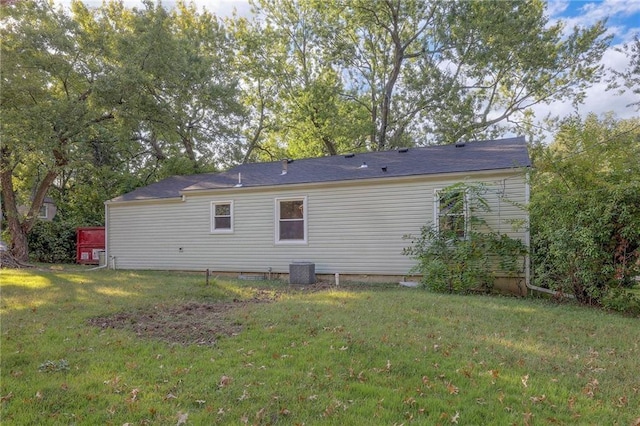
(585, 211)
(621, 300)
(53, 242)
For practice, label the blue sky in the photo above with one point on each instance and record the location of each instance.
(623, 16)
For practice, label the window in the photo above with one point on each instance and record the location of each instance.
(451, 212)
(44, 212)
(222, 216)
(291, 220)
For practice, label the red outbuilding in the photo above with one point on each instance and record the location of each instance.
(90, 243)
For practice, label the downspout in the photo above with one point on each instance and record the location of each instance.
(527, 232)
(108, 258)
(106, 233)
(527, 241)
(99, 267)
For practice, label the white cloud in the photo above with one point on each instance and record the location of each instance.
(618, 13)
(222, 8)
(622, 23)
(599, 99)
(599, 10)
(556, 7)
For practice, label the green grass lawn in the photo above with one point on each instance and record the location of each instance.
(350, 355)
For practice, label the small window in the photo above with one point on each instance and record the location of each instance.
(451, 212)
(44, 212)
(222, 216)
(291, 220)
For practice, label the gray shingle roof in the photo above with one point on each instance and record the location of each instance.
(166, 188)
(473, 156)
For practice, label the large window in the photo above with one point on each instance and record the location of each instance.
(451, 212)
(222, 216)
(291, 220)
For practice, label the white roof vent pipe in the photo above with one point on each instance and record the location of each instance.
(239, 184)
(285, 167)
(363, 165)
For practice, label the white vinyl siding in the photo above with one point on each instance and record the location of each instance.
(352, 227)
(221, 216)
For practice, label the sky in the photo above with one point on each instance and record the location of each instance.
(623, 21)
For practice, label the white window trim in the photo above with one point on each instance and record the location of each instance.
(305, 209)
(46, 212)
(436, 211)
(213, 218)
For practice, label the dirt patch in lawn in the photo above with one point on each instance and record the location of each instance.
(196, 323)
(189, 323)
(183, 324)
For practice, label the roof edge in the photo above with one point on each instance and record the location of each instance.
(357, 182)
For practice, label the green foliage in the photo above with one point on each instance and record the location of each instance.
(621, 300)
(451, 262)
(53, 242)
(585, 210)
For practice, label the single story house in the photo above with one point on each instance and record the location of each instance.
(346, 214)
(47, 211)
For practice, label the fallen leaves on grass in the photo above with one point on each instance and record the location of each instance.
(452, 389)
(133, 395)
(494, 375)
(622, 402)
(182, 418)
(224, 381)
(538, 399)
(591, 388)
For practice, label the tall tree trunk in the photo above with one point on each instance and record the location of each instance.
(19, 230)
(255, 139)
(18, 244)
(187, 142)
(398, 57)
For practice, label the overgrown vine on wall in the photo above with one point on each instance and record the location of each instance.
(454, 262)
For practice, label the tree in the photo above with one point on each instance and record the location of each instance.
(441, 71)
(292, 87)
(585, 208)
(175, 66)
(631, 76)
(50, 105)
(95, 102)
